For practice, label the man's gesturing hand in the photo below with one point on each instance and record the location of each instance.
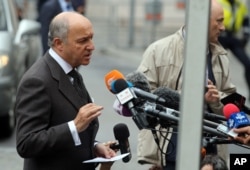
(86, 115)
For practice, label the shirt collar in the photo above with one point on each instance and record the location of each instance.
(63, 64)
(64, 5)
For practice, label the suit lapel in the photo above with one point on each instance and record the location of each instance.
(64, 84)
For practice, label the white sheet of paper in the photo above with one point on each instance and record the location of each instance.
(100, 159)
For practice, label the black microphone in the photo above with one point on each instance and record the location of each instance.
(137, 80)
(121, 134)
(140, 81)
(148, 96)
(140, 85)
(164, 113)
(213, 116)
(165, 117)
(141, 93)
(127, 97)
(169, 115)
(172, 99)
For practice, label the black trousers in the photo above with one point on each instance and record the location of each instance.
(170, 166)
(171, 151)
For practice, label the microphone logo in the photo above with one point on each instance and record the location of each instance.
(110, 80)
(239, 117)
(230, 123)
(125, 96)
(238, 120)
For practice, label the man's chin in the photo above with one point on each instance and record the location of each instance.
(214, 41)
(85, 62)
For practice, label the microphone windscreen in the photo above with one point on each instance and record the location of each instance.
(119, 85)
(139, 80)
(171, 97)
(230, 109)
(121, 131)
(121, 110)
(111, 77)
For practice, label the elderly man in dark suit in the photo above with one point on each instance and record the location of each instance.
(56, 122)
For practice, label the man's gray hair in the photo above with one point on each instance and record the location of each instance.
(58, 28)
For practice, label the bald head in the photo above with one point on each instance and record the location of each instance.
(216, 21)
(71, 37)
(215, 7)
(62, 23)
(70, 17)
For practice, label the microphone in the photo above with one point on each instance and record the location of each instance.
(148, 96)
(138, 80)
(173, 120)
(235, 118)
(164, 113)
(121, 110)
(138, 92)
(172, 99)
(127, 98)
(111, 77)
(238, 100)
(121, 134)
(141, 87)
(213, 116)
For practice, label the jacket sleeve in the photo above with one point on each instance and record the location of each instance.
(33, 112)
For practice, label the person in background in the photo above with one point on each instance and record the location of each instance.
(79, 6)
(213, 162)
(48, 11)
(162, 64)
(39, 4)
(56, 120)
(236, 34)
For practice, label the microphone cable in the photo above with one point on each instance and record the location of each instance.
(163, 138)
(170, 143)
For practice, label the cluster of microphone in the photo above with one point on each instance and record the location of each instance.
(147, 109)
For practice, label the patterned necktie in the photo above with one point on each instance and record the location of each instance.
(78, 83)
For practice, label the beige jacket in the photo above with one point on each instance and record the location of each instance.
(162, 64)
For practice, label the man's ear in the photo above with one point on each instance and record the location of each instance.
(58, 43)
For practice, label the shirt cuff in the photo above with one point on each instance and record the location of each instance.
(95, 143)
(74, 133)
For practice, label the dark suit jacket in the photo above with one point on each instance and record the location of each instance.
(47, 12)
(46, 101)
